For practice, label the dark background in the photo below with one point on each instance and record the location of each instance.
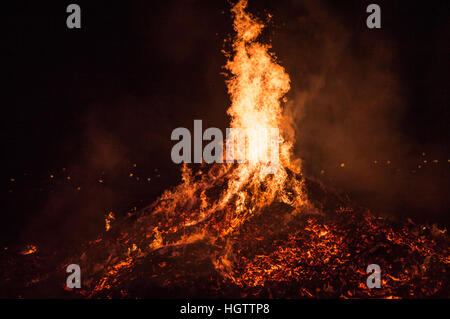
(87, 114)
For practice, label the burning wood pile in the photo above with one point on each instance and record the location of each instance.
(277, 253)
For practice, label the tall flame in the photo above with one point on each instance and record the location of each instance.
(212, 206)
(257, 84)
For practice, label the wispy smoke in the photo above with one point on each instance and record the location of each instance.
(349, 105)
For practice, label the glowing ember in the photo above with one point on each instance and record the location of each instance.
(108, 220)
(31, 249)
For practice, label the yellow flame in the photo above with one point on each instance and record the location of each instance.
(191, 213)
(256, 86)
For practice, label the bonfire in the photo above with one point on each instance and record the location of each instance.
(232, 230)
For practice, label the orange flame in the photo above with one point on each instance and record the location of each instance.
(256, 86)
(212, 206)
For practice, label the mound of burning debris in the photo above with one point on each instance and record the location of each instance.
(279, 253)
(328, 256)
